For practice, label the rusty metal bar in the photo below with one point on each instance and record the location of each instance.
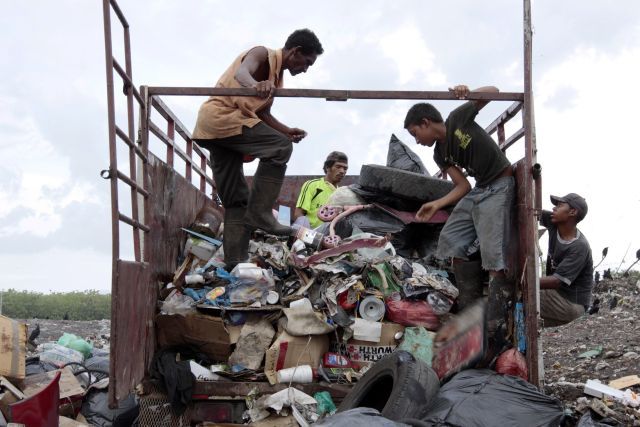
(130, 89)
(170, 142)
(113, 165)
(131, 183)
(123, 136)
(135, 224)
(119, 14)
(529, 227)
(171, 135)
(127, 80)
(335, 94)
(203, 181)
(501, 136)
(512, 139)
(189, 164)
(503, 118)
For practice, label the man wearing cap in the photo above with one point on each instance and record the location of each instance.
(315, 193)
(565, 290)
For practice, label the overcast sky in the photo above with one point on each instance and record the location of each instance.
(55, 232)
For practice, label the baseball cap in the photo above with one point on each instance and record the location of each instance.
(574, 200)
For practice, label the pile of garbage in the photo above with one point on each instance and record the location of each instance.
(61, 381)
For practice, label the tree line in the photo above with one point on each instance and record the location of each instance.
(85, 305)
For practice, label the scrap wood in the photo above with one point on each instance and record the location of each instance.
(624, 382)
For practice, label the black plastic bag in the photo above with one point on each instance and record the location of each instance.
(95, 408)
(481, 397)
(400, 156)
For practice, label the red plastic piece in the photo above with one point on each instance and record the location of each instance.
(412, 313)
(39, 410)
(512, 362)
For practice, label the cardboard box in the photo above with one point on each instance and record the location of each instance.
(13, 348)
(69, 385)
(207, 333)
(364, 352)
(288, 351)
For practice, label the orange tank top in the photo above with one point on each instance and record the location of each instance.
(224, 116)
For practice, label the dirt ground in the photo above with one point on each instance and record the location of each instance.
(614, 332)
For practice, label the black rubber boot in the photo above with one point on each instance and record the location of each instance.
(266, 188)
(468, 281)
(236, 237)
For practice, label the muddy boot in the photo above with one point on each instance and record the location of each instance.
(236, 237)
(266, 188)
(468, 281)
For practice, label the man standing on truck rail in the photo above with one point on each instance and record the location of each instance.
(565, 290)
(235, 127)
(482, 212)
(315, 192)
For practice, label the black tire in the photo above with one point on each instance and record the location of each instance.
(399, 386)
(401, 183)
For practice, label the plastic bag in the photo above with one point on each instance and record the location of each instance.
(58, 355)
(411, 313)
(178, 303)
(248, 291)
(325, 404)
(382, 277)
(400, 156)
(76, 343)
(480, 397)
(344, 196)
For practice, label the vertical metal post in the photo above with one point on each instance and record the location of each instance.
(187, 172)
(171, 133)
(529, 229)
(132, 138)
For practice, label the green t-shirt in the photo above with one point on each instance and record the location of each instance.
(468, 146)
(313, 195)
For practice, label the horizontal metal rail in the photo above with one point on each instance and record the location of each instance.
(166, 112)
(135, 224)
(123, 136)
(512, 139)
(132, 184)
(169, 142)
(336, 94)
(127, 80)
(508, 114)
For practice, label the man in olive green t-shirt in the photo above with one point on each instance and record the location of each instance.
(315, 193)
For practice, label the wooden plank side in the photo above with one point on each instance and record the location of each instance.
(132, 333)
(174, 204)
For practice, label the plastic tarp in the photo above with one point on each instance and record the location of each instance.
(400, 156)
(481, 397)
(358, 417)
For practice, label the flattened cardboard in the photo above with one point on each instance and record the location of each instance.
(288, 351)
(69, 385)
(624, 382)
(366, 353)
(207, 333)
(13, 348)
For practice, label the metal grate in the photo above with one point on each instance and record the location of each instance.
(155, 411)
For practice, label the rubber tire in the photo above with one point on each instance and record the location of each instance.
(398, 385)
(404, 184)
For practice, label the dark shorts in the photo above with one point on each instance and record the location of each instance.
(261, 141)
(483, 214)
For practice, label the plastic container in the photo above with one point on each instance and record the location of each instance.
(311, 238)
(300, 374)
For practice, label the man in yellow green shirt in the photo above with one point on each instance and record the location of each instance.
(315, 193)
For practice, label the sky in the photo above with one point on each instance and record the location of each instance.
(55, 229)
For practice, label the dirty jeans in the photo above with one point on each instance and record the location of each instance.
(261, 141)
(556, 310)
(484, 213)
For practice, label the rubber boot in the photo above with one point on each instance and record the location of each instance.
(468, 281)
(266, 188)
(236, 237)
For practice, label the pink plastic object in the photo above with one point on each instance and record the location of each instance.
(412, 313)
(327, 213)
(39, 410)
(331, 241)
(512, 362)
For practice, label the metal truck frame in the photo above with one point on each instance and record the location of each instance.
(163, 198)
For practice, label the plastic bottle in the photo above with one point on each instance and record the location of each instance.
(311, 238)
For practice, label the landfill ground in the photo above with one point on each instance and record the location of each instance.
(614, 332)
